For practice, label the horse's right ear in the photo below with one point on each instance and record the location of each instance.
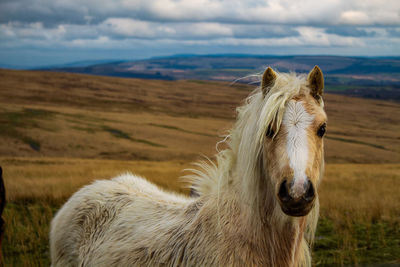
(268, 80)
(316, 82)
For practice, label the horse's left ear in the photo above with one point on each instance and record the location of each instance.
(268, 80)
(316, 82)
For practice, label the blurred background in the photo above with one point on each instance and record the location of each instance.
(89, 90)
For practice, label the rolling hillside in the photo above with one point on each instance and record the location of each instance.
(71, 115)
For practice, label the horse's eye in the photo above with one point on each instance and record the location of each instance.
(322, 129)
(270, 132)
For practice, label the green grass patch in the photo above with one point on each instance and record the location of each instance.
(34, 144)
(335, 88)
(83, 117)
(179, 129)
(90, 130)
(26, 118)
(199, 81)
(355, 142)
(26, 238)
(25, 161)
(356, 243)
(117, 133)
(12, 123)
(120, 134)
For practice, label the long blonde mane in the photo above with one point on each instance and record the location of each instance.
(253, 118)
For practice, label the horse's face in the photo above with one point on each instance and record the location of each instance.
(294, 155)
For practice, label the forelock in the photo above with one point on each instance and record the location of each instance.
(286, 86)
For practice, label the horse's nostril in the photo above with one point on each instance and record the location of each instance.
(283, 193)
(310, 193)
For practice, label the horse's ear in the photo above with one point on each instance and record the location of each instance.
(268, 80)
(316, 82)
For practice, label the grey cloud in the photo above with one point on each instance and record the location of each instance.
(49, 13)
(263, 31)
(395, 32)
(305, 12)
(349, 31)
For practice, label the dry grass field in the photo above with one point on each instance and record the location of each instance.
(61, 131)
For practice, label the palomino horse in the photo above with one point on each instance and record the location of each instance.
(258, 206)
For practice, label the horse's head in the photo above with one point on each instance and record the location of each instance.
(293, 144)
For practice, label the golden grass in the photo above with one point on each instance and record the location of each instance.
(182, 119)
(361, 192)
(36, 188)
(359, 205)
(54, 180)
(360, 222)
(365, 192)
(71, 132)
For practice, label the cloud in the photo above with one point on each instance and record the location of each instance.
(130, 28)
(35, 31)
(115, 30)
(353, 31)
(328, 12)
(207, 26)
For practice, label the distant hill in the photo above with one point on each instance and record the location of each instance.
(80, 64)
(361, 76)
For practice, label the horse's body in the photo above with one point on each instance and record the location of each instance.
(246, 213)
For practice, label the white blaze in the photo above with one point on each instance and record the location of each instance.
(296, 120)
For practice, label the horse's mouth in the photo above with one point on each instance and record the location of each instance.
(297, 209)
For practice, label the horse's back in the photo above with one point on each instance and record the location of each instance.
(107, 215)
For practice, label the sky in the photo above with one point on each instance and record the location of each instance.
(36, 33)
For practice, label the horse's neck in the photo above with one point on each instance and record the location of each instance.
(278, 239)
(272, 243)
(283, 236)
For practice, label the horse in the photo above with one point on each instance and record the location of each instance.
(257, 205)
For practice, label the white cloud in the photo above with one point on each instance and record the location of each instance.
(355, 17)
(318, 37)
(130, 28)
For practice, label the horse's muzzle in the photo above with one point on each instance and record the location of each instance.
(299, 206)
